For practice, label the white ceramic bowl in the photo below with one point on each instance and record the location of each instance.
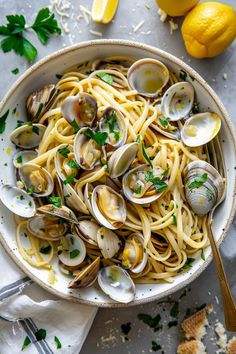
(44, 72)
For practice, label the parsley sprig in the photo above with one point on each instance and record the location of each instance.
(111, 121)
(44, 25)
(198, 181)
(98, 137)
(159, 184)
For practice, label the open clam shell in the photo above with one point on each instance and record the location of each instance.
(39, 101)
(177, 101)
(46, 227)
(108, 207)
(148, 76)
(112, 122)
(64, 161)
(81, 109)
(116, 283)
(134, 256)
(87, 229)
(28, 136)
(17, 201)
(121, 159)
(204, 186)
(108, 242)
(73, 200)
(62, 212)
(75, 252)
(23, 156)
(200, 129)
(87, 276)
(36, 179)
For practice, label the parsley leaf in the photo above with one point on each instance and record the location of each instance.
(126, 327)
(139, 139)
(198, 181)
(183, 75)
(209, 194)
(35, 129)
(27, 341)
(45, 24)
(165, 173)
(55, 201)
(73, 164)
(105, 77)
(159, 184)
(64, 151)
(30, 190)
(172, 324)
(69, 179)
(146, 156)
(75, 126)
(40, 334)
(98, 137)
(58, 343)
(174, 219)
(164, 122)
(15, 71)
(138, 190)
(19, 159)
(3, 121)
(155, 346)
(174, 311)
(74, 253)
(188, 263)
(45, 250)
(152, 322)
(203, 255)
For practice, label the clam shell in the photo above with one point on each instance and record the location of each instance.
(108, 242)
(61, 162)
(148, 77)
(75, 244)
(121, 159)
(113, 116)
(28, 136)
(39, 101)
(87, 230)
(73, 200)
(23, 156)
(63, 212)
(130, 253)
(46, 227)
(177, 101)
(87, 276)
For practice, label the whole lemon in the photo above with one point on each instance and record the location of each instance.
(176, 7)
(209, 29)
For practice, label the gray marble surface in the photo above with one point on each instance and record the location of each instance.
(106, 335)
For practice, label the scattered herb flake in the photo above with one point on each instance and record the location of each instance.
(40, 334)
(172, 323)
(146, 156)
(198, 181)
(27, 341)
(75, 126)
(174, 311)
(41, 106)
(30, 190)
(58, 343)
(64, 151)
(3, 119)
(105, 77)
(45, 249)
(165, 173)
(183, 75)
(98, 137)
(35, 129)
(69, 179)
(30, 203)
(189, 263)
(139, 139)
(15, 71)
(196, 108)
(209, 194)
(22, 197)
(74, 253)
(164, 122)
(174, 219)
(19, 159)
(203, 255)
(138, 190)
(126, 327)
(55, 201)
(158, 183)
(73, 164)
(152, 322)
(155, 346)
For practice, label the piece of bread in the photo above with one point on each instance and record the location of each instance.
(194, 326)
(231, 346)
(191, 347)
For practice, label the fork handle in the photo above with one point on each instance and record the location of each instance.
(228, 301)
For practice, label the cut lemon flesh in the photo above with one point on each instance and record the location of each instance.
(103, 11)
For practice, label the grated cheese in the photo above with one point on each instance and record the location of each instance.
(217, 300)
(162, 14)
(225, 76)
(85, 13)
(220, 331)
(95, 33)
(138, 26)
(61, 7)
(173, 26)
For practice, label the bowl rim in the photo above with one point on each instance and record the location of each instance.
(225, 115)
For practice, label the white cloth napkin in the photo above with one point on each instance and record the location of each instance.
(25, 308)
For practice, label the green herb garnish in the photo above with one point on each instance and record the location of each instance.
(195, 108)
(189, 263)
(98, 137)
(15, 71)
(3, 121)
(27, 341)
(138, 190)
(174, 310)
(165, 173)
(203, 255)
(73, 164)
(40, 334)
(19, 159)
(209, 194)
(126, 327)
(30, 190)
(41, 106)
(198, 182)
(105, 77)
(74, 253)
(44, 25)
(158, 183)
(172, 324)
(58, 343)
(55, 201)
(75, 126)
(30, 203)
(155, 346)
(22, 197)
(35, 129)
(174, 219)
(164, 122)
(146, 156)
(152, 322)
(64, 151)
(183, 75)
(45, 249)
(139, 139)
(69, 179)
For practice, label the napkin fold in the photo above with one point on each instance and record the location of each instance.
(25, 308)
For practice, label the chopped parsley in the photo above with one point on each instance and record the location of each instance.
(152, 322)
(64, 151)
(172, 323)
(55, 201)
(198, 182)
(27, 341)
(45, 249)
(104, 164)
(30, 190)
(138, 190)
(105, 77)
(183, 75)
(98, 137)
(155, 346)
(195, 108)
(174, 219)
(22, 197)
(165, 173)
(174, 311)
(40, 334)
(189, 263)
(139, 139)
(203, 255)
(158, 183)
(30, 203)
(73, 164)
(41, 105)
(164, 122)
(74, 253)
(209, 194)
(3, 119)
(126, 328)
(57, 342)
(69, 179)
(19, 159)
(147, 158)
(15, 71)
(75, 126)
(35, 129)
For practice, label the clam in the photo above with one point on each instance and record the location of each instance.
(138, 186)
(37, 180)
(112, 122)
(87, 152)
(87, 276)
(17, 201)
(134, 256)
(73, 200)
(121, 159)
(23, 156)
(61, 212)
(46, 227)
(87, 230)
(75, 251)
(108, 207)
(80, 109)
(28, 136)
(108, 242)
(39, 101)
(64, 161)
(177, 101)
(204, 186)
(88, 190)
(148, 77)
(200, 129)
(116, 283)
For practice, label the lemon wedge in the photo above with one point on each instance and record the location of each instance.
(103, 11)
